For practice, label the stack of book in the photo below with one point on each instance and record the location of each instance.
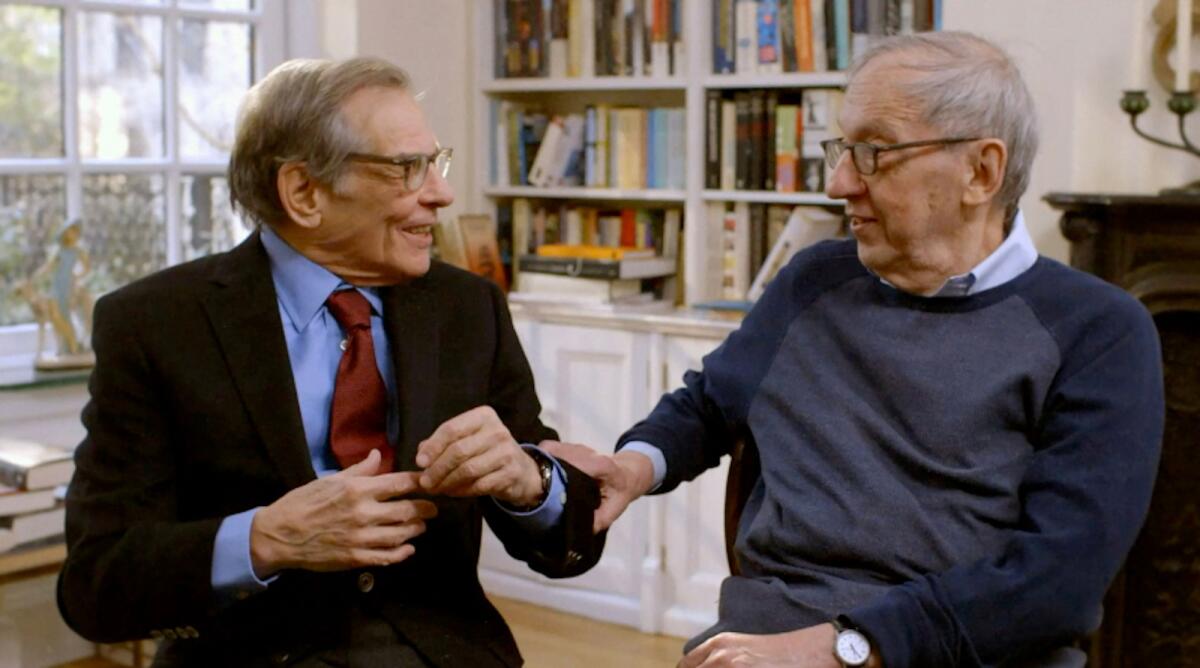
(32, 483)
(590, 275)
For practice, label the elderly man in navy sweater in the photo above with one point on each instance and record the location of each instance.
(958, 437)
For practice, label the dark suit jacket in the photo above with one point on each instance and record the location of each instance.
(193, 417)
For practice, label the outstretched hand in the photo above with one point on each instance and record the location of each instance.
(623, 477)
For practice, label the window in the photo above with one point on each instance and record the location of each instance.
(120, 115)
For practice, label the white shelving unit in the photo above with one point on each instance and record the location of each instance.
(695, 79)
(596, 375)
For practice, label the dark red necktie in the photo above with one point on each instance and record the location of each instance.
(358, 418)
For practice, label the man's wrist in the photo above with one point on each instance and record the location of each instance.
(264, 557)
(639, 470)
(539, 485)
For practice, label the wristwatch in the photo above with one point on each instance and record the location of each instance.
(850, 646)
(545, 471)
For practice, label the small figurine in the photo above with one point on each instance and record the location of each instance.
(66, 308)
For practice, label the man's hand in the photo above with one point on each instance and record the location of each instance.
(473, 454)
(806, 648)
(349, 519)
(623, 477)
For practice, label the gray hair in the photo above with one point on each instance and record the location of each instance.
(968, 87)
(294, 115)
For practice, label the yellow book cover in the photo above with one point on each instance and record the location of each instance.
(594, 252)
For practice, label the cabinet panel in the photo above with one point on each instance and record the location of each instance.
(593, 385)
(693, 528)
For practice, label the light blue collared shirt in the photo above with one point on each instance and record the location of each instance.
(313, 336)
(1015, 255)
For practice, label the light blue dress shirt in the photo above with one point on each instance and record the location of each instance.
(313, 336)
(1015, 255)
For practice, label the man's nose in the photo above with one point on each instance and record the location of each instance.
(844, 180)
(436, 190)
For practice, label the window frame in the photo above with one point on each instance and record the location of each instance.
(280, 29)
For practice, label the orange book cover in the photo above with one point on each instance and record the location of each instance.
(802, 16)
(594, 252)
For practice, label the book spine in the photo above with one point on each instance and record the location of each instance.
(758, 128)
(744, 145)
(767, 19)
(769, 108)
(787, 34)
(746, 57)
(12, 477)
(570, 266)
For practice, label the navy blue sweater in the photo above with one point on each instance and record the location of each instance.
(962, 477)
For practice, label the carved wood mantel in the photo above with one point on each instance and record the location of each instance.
(1150, 246)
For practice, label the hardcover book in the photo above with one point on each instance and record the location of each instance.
(27, 465)
(21, 529)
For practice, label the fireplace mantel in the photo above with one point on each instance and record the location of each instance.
(1150, 246)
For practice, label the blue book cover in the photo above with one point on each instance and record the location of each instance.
(651, 146)
(768, 32)
(841, 18)
(661, 129)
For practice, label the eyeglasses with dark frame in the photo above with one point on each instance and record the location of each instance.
(866, 155)
(413, 166)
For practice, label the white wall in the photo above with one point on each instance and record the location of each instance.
(1076, 56)
(433, 41)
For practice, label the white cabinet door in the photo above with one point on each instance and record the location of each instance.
(693, 532)
(593, 384)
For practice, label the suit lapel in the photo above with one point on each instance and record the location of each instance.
(410, 319)
(244, 313)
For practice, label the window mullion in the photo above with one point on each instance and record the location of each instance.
(70, 112)
(171, 127)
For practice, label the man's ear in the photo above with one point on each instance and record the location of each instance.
(298, 193)
(985, 172)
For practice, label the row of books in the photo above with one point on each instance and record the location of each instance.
(772, 36)
(33, 479)
(768, 140)
(656, 230)
(585, 38)
(758, 239)
(606, 146)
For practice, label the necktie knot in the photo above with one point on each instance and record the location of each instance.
(350, 309)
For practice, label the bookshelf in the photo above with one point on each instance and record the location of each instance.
(687, 87)
(597, 372)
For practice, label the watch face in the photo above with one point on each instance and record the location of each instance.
(852, 648)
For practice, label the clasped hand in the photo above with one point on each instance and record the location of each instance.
(360, 517)
(623, 477)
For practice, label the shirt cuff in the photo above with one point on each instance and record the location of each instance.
(546, 515)
(233, 575)
(656, 458)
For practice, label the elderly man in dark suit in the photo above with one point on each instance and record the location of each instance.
(291, 445)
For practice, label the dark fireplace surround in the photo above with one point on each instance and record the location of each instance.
(1150, 246)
